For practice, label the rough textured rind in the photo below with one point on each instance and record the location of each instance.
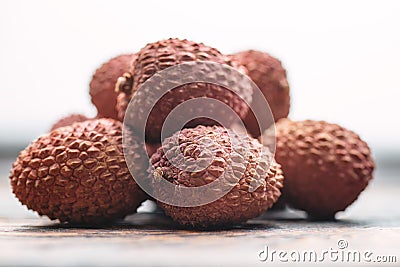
(239, 204)
(160, 55)
(102, 85)
(68, 120)
(325, 165)
(77, 174)
(121, 105)
(269, 75)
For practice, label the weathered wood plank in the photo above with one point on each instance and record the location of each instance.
(152, 239)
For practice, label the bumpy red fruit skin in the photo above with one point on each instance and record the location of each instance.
(325, 165)
(269, 75)
(68, 120)
(77, 174)
(160, 55)
(239, 204)
(102, 85)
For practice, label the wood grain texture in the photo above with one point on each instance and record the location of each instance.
(152, 239)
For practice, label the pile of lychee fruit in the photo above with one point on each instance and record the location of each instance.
(78, 172)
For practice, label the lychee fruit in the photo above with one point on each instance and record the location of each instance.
(68, 120)
(151, 148)
(102, 85)
(78, 174)
(161, 55)
(269, 75)
(326, 166)
(237, 160)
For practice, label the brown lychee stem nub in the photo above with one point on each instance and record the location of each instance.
(124, 83)
(158, 174)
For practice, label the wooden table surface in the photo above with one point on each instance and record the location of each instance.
(372, 224)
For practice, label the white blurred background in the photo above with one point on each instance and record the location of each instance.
(342, 57)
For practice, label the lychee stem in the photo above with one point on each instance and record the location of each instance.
(124, 83)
